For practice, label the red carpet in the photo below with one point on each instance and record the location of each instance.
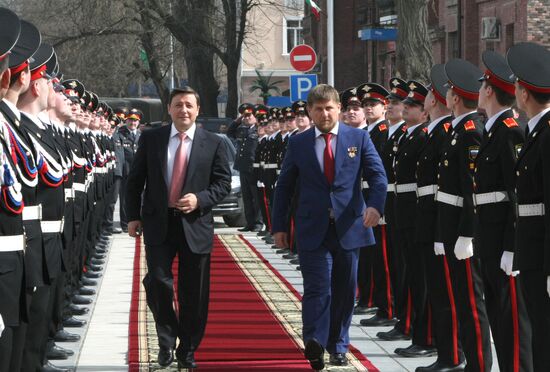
(244, 331)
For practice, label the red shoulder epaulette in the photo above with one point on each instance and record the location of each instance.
(425, 129)
(382, 127)
(470, 125)
(404, 127)
(446, 126)
(511, 123)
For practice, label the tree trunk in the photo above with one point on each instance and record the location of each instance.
(414, 53)
(232, 90)
(200, 70)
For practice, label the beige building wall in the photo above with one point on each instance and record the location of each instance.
(266, 46)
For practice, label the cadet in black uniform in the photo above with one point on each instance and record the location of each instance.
(244, 132)
(438, 278)
(127, 137)
(388, 267)
(373, 99)
(455, 209)
(495, 203)
(12, 240)
(529, 63)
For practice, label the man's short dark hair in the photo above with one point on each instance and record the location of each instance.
(4, 63)
(540, 98)
(321, 93)
(184, 90)
(503, 98)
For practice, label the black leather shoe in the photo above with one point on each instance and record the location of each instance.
(91, 275)
(187, 360)
(86, 291)
(99, 256)
(377, 321)
(338, 359)
(416, 351)
(298, 268)
(166, 357)
(295, 261)
(77, 310)
(393, 335)
(363, 310)
(58, 353)
(269, 240)
(97, 261)
(88, 282)
(263, 233)
(442, 367)
(94, 268)
(290, 256)
(245, 229)
(282, 250)
(64, 336)
(79, 300)
(73, 322)
(315, 354)
(48, 367)
(257, 228)
(116, 230)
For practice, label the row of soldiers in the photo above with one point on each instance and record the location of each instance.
(57, 170)
(262, 135)
(462, 248)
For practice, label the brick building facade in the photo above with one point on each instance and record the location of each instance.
(483, 24)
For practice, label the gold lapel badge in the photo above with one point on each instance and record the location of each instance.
(352, 151)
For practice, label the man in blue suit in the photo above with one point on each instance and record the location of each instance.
(333, 221)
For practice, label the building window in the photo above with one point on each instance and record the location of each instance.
(509, 35)
(294, 4)
(453, 45)
(292, 33)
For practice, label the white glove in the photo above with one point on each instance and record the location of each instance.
(464, 248)
(260, 184)
(2, 324)
(548, 285)
(382, 221)
(439, 249)
(507, 263)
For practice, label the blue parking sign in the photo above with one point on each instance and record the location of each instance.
(300, 85)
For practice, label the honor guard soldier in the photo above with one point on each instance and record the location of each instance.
(127, 137)
(495, 206)
(439, 285)
(388, 260)
(12, 239)
(351, 105)
(373, 99)
(416, 321)
(455, 210)
(263, 133)
(245, 133)
(529, 63)
(302, 116)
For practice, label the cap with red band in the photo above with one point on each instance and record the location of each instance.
(27, 44)
(372, 91)
(463, 78)
(438, 79)
(529, 64)
(10, 28)
(417, 93)
(498, 72)
(398, 89)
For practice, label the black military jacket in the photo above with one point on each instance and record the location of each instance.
(533, 187)
(455, 177)
(388, 157)
(247, 141)
(129, 143)
(495, 172)
(405, 173)
(426, 175)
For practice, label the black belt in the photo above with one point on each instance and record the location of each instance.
(175, 212)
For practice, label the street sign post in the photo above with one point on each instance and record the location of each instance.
(300, 85)
(303, 58)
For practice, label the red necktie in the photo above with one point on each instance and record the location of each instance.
(178, 171)
(328, 159)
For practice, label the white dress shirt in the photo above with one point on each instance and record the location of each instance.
(320, 144)
(459, 118)
(173, 144)
(371, 126)
(435, 122)
(13, 108)
(411, 129)
(492, 119)
(394, 127)
(535, 119)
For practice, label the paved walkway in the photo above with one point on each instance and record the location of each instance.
(104, 343)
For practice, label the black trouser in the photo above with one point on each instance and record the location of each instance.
(402, 239)
(250, 199)
(264, 207)
(383, 294)
(365, 277)
(508, 317)
(443, 306)
(193, 289)
(472, 316)
(422, 313)
(537, 302)
(122, 202)
(111, 198)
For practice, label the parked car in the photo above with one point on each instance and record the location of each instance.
(231, 208)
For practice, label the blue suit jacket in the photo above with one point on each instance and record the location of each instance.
(301, 172)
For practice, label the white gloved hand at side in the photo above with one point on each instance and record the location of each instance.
(439, 249)
(1, 325)
(464, 247)
(507, 263)
(548, 285)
